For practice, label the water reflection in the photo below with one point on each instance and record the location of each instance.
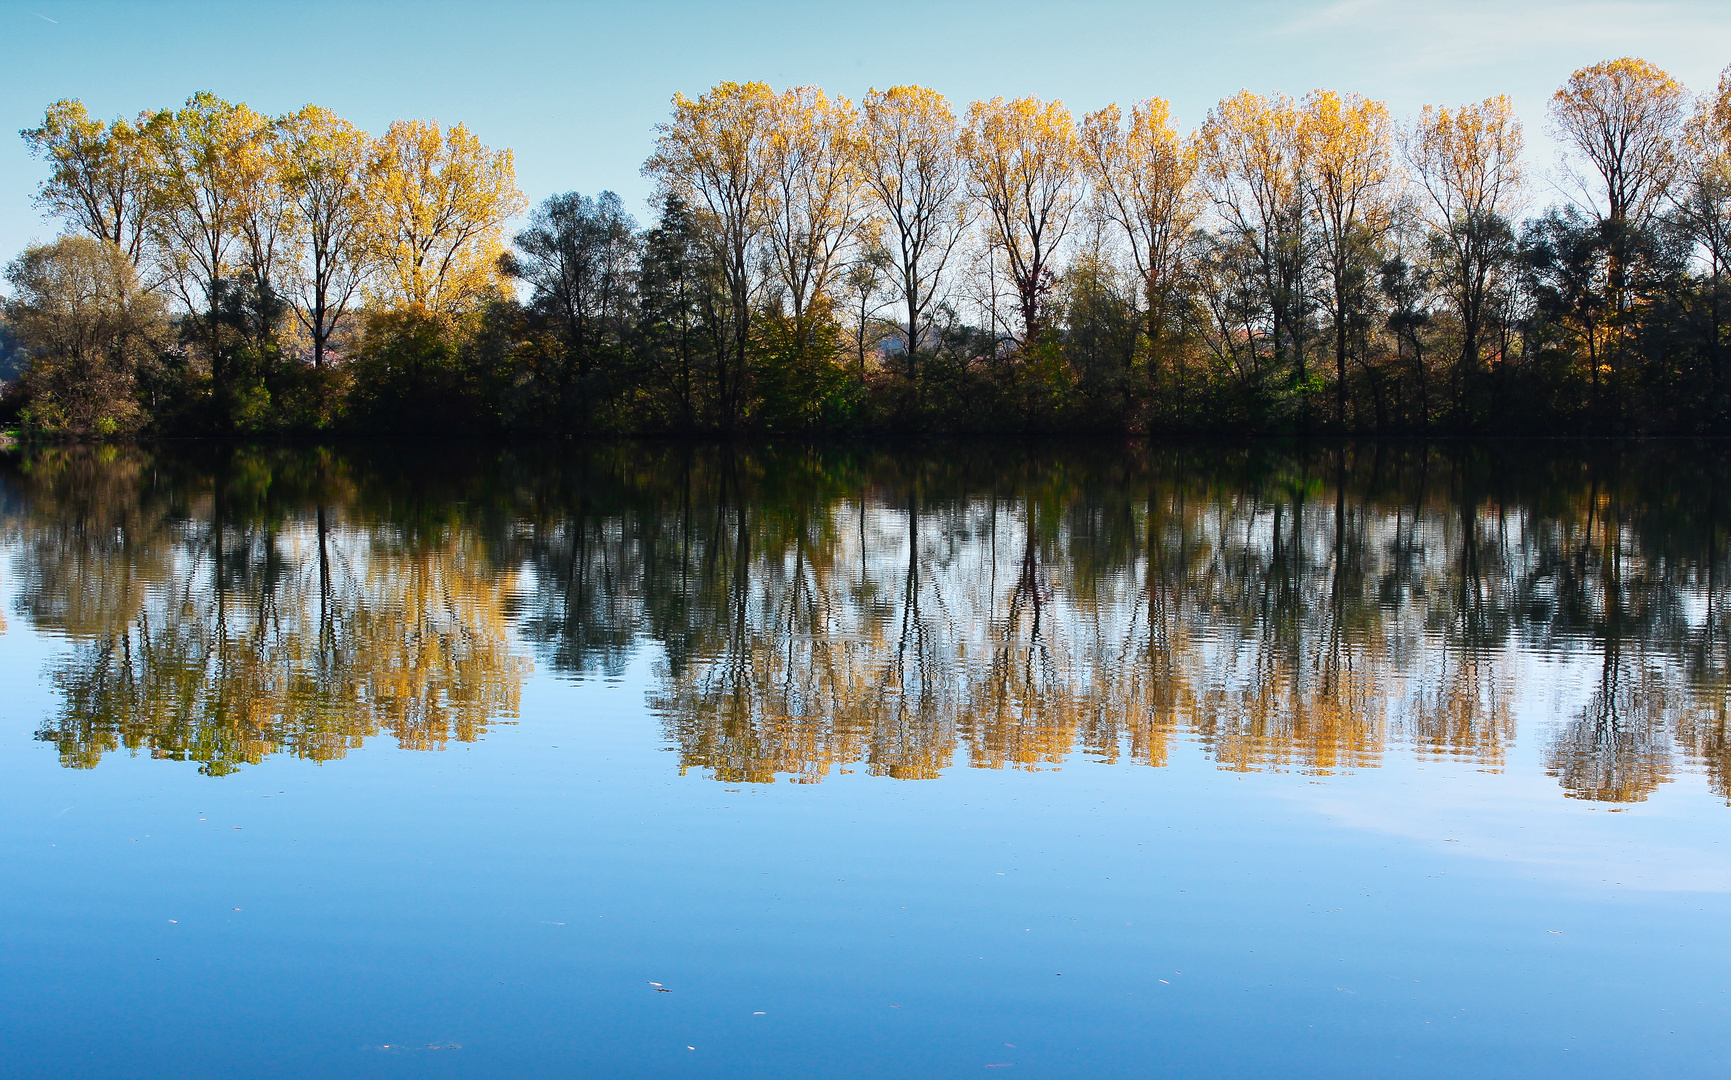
(225, 615)
(1302, 608)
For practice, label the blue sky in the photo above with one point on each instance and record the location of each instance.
(576, 89)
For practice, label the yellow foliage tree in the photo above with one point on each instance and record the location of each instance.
(327, 171)
(1348, 142)
(911, 160)
(1023, 159)
(1704, 203)
(1467, 162)
(442, 200)
(715, 154)
(102, 175)
(268, 221)
(815, 194)
(1253, 165)
(1143, 176)
(207, 163)
(1624, 117)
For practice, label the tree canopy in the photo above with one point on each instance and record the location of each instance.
(1299, 265)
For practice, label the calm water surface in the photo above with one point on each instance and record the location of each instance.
(1332, 762)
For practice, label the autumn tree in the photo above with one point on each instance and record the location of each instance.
(102, 176)
(1023, 163)
(912, 162)
(327, 173)
(88, 328)
(1624, 118)
(1253, 165)
(1467, 163)
(1703, 207)
(715, 155)
(815, 199)
(441, 201)
(1704, 201)
(1347, 145)
(267, 210)
(205, 154)
(268, 224)
(1143, 178)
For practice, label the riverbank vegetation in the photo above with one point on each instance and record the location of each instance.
(897, 265)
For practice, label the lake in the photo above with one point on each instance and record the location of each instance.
(1058, 761)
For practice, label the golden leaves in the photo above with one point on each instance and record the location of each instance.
(1707, 135)
(1348, 140)
(1143, 175)
(1467, 160)
(329, 172)
(1252, 156)
(1624, 116)
(712, 154)
(216, 189)
(910, 157)
(910, 150)
(1023, 162)
(815, 191)
(207, 162)
(100, 176)
(443, 199)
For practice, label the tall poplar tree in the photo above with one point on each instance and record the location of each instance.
(912, 161)
(714, 154)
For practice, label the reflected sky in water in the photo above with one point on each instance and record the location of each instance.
(1333, 761)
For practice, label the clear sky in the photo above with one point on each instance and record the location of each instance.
(576, 88)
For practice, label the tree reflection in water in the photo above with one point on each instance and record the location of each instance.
(1310, 608)
(224, 615)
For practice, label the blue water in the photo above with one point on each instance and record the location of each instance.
(578, 888)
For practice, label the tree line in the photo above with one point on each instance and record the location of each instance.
(818, 265)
